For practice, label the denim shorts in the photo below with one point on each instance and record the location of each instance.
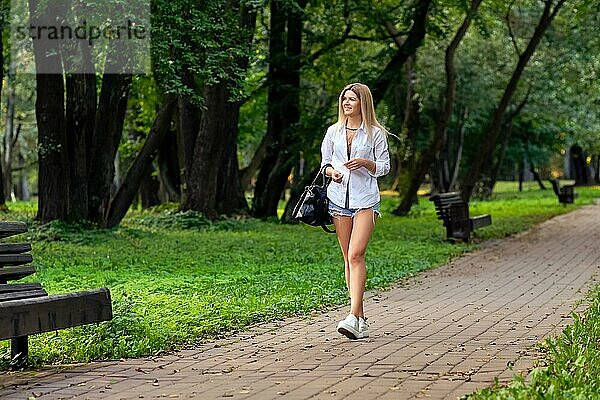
(336, 211)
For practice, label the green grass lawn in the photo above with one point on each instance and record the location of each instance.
(177, 279)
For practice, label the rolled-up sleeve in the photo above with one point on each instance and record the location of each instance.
(381, 155)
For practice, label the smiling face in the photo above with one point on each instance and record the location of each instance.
(351, 104)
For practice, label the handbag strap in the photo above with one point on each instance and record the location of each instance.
(326, 179)
(326, 229)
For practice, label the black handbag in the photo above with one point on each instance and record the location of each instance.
(312, 208)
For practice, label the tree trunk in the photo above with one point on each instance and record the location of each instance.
(455, 151)
(230, 192)
(169, 170)
(9, 132)
(212, 173)
(597, 169)
(213, 182)
(23, 185)
(446, 163)
(494, 170)
(80, 116)
(53, 177)
(489, 143)
(429, 155)
(149, 187)
(248, 173)
(108, 128)
(2, 190)
(283, 108)
(208, 152)
(121, 202)
(410, 124)
(490, 183)
(521, 174)
(187, 126)
(536, 176)
(578, 165)
(457, 159)
(230, 195)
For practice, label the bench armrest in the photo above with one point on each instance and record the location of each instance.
(43, 314)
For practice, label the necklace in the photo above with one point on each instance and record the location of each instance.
(350, 129)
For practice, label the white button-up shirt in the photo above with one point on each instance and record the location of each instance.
(358, 186)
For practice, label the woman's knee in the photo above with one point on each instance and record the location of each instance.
(356, 258)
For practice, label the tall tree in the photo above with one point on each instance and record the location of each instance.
(551, 9)
(213, 56)
(508, 129)
(53, 179)
(447, 164)
(212, 183)
(187, 125)
(285, 46)
(3, 18)
(431, 152)
(230, 191)
(80, 116)
(209, 152)
(10, 136)
(77, 139)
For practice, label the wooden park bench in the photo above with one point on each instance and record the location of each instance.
(26, 308)
(566, 194)
(454, 213)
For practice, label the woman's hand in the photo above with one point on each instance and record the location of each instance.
(336, 176)
(357, 163)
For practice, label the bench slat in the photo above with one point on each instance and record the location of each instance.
(481, 221)
(23, 294)
(19, 287)
(453, 195)
(15, 259)
(12, 228)
(447, 201)
(14, 273)
(446, 204)
(43, 314)
(14, 248)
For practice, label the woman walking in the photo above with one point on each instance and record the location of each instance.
(356, 147)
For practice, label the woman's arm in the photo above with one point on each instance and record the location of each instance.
(327, 156)
(381, 155)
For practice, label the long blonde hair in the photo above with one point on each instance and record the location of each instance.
(367, 108)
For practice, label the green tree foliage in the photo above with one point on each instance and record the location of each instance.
(199, 38)
(197, 46)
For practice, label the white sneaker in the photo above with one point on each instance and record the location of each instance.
(363, 328)
(349, 327)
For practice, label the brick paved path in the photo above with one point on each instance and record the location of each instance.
(445, 334)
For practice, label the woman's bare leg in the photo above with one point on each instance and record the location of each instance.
(343, 229)
(362, 228)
